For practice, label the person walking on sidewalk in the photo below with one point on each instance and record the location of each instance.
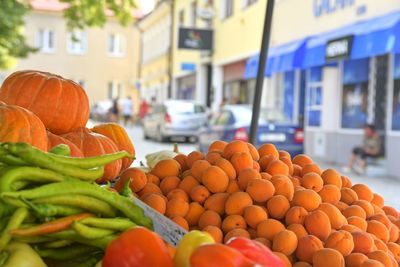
(127, 110)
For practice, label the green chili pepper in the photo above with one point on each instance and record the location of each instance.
(123, 204)
(61, 149)
(66, 253)
(50, 210)
(116, 224)
(15, 221)
(33, 239)
(91, 204)
(20, 254)
(5, 209)
(90, 232)
(126, 191)
(57, 243)
(73, 236)
(12, 160)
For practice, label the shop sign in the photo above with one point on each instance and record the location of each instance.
(196, 39)
(188, 66)
(339, 48)
(324, 7)
(206, 13)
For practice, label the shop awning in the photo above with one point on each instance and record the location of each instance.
(281, 58)
(371, 37)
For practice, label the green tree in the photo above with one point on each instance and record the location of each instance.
(78, 15)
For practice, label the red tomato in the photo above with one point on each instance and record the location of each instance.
(137, 247)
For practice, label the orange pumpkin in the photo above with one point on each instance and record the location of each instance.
(120, 137)
(93, 144)
(55, 140)
(62, 105)
(20, 125)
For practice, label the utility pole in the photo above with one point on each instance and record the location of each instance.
(171, 48)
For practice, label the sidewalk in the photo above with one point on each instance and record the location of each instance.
(375, 178)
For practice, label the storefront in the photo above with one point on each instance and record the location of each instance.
(186, 87)
(237, 90)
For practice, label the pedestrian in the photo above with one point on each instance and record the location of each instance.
(114, 111)
(143, 109)
(127, 110)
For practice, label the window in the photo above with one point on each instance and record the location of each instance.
(46, 41)
(246, 3)
(314, 99)
(77, 42)
(182, 17)
(116, 45)
(114, 90)
(194, 13)
(355, 93)
(226, 8)
(396, 95)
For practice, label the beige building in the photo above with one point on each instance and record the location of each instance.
(103, 60)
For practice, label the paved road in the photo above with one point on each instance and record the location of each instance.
(389, 188)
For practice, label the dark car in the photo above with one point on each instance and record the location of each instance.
(232, 122)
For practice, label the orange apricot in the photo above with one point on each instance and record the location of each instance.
(244, 176)
(149, 188)
(283, 186)
(350, 228)
(265, 161)
(178, 193)
(265, 176)
(288, 163)
(227, 167)
(330, 194)
(177, 207)
(198, 167)
(260, 190)
(317, 223)
(194, 156)
(233, 187)
(156, 201)
(188, 183)
(137, 177)
(336, 218)
(378, 200)
(215, 232)
(263, 241)
(307, 198)
(199, 194)
(312, 180)
(295, 181)
(269, 228)
(182, 159)
(371, 263)
(215, 179)
(194, 213)
(151, 178)
(241, 161)
(367, 207)
(213, 157)
(379, 230)
(298, 229)
(354, 210)
(306, 248)
(363, 192)
(209, 217)
(381, 218)
(340, 240)
(311, 167)
(217, 146)
(358, 221)
(341, 205)
(285, 259)
(295, 214)
(395, 249)
(268, 149)
(238, 232)
(296, 170)
(355, 259)
(236, 146)
(276, 167)
(302, 160)
(216, 202)
(331, 176)
(393, 233)
(363, 242)
(181, 222)
(284, 154)
(165, 168)
(380, 256)
(346, 182)
(278, 206)
(232, 222)
(169, 183)
(327, 257)
(253, 152)
(253, 215)
(237, 202)
(285, 242)
(390, 211)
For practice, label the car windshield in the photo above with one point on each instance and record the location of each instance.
(185, 108)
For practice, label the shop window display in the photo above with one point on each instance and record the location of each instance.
(314, 101)
(355, 93)
(396, 95)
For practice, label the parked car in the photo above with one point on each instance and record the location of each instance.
(232, 122)
(175, 120)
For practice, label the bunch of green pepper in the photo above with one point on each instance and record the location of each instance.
(50, 201)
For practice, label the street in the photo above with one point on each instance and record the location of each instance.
(386, 187)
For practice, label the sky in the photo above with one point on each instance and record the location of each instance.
(147, 5)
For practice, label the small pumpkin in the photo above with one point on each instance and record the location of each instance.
(62, 105)
(55, 140)
(120, 137)
(93, 144)
(20, 125)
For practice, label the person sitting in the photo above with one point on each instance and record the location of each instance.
(371, 148)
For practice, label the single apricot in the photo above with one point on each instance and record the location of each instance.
(358, 221)
(233, 187)
(149, 188)
(156, 201)
(178, 193)
(311, 167)
(312, 180)
(278, 206)
(355, 259)
(283, 186)
(244, 176)
(199, 194)
(216, 202)
(346, 182)
(168, 184)
(265, 161)
(284, 258)
(378, 200)
(371, 263)
(151, 178)
(215, 179)
(218, 145)
(306, 248)
(395, 249)
(209, 217)
(215, 232)
(296, 170)
(307, 198)
(256, 166)
(327, 257)
(260, 190)
(268, 149)
(317, 223)
(331, 176)
(367, 207)
(253, 152)
(194, 156)
(350, 228)
(176, 207)
(265, 176)
(237, 202)
(188, 183)
(198, 167)
(380, 256)
(393, 233)
(379, 230)
(213, 157)
(236, 146)
(380, 245)
(348, 196)
(232, 222)
(284, 154)
(330, 194)
(285, 242)
(363, 242)
(302, 264)
(363, 192)
(181, 222)
(288, 163)
(377, 210)
(194, 213)
(381, 218)
(253, 215)
(302, 160)
(298, 229)
(182, 160)
(237, 232)
(186, 173)
(354, 210)
(241, 161)
(276, 167)
(269, 228)
(295, 181)
(390, 211)
(341, 206)
(263, 241)
(227, 167)
(137, 177)
(336, 218)
(340, 240)
(165, 168)
(295, 214)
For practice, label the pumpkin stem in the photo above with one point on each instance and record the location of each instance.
(176, 150)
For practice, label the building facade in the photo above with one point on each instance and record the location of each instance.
(103, 60)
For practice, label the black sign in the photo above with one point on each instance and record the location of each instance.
(196, 39)
(339, 48)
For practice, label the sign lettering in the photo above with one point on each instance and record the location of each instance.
(324, 7)
(339, 48)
